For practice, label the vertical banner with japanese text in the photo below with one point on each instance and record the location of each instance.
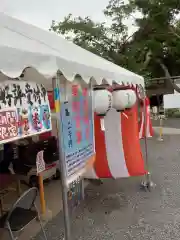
(77, 128)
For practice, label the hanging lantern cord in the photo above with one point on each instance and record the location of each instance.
(125, 115)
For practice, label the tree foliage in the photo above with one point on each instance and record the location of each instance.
(153, 50)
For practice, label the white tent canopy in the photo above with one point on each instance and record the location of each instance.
(23, 45)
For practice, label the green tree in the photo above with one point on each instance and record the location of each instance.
(153, 50)
(156, 42)
(95, 37)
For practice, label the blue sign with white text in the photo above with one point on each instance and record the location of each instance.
(77, 129)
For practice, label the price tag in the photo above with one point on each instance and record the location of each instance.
(40, 164)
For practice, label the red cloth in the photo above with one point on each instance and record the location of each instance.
(121, 135)
(44, 136)
(148, 129)
(51, 100)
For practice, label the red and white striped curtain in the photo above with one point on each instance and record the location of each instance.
(148, 129)
(118, 151)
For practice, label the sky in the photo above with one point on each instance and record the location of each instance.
(42, 12)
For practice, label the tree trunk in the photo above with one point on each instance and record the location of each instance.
(168, 77)
(174, 32)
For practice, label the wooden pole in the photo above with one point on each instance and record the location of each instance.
(161, 130)
(41, 194)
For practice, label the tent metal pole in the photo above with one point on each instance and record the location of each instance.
(147, 184)
(67, 225)
(145, 138)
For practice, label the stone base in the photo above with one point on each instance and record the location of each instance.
(160, 139)
(46, 216)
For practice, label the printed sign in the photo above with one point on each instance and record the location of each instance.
(24, 110)
(40, 164)
(75, 194)
(56, 99)
(8, 124)
(77, 127)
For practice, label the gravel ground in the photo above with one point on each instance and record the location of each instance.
(170, 122)
(119, 210)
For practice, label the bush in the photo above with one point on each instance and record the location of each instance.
(173, 113)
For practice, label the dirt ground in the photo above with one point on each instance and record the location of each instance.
(119, 210)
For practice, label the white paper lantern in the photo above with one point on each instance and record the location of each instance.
(132, 98)
(123, 99)
(102, 101)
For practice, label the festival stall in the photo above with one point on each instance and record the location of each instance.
(71, 73)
